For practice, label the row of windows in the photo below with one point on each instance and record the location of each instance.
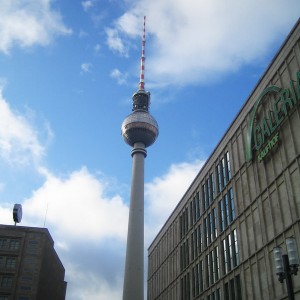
(200, 240)
(199, 203)
(229, 258)
(9, 244)
(226, 216)
(231, 290)
(209, 275)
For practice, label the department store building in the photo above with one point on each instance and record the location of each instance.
(218, 242)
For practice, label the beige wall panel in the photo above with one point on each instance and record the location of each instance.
(244, 249)
(257, 228)
(250, 234)
(239, 194)
(245, 188)
(276, 211)
(263, 279)
(295, 182)
(268, 218)
(285, 205)
(248, 284)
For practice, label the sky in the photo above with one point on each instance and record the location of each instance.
(68, 70)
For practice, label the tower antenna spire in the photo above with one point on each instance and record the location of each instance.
(142, 68)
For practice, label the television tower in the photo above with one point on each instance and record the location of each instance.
(139, 130)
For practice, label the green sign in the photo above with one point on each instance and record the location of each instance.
(263, 134)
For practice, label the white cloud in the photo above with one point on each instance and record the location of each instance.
(194, 41)
(119, 76)
(165, 192)
(19, 141)
(87, 4)
(97, 48)
(115, 43)
(77, 207)
(28, 23)
(86, 67)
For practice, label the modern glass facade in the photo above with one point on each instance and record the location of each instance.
(218, 242)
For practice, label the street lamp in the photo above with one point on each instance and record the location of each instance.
(286, 265)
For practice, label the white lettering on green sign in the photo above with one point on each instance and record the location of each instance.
(264, 134)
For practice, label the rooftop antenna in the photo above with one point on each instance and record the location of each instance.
(17, 213)
(142, 70)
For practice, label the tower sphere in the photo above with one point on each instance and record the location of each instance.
(139, 126)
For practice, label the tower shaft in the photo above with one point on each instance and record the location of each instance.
(134, 266)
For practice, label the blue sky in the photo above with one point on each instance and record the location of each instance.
(68, 70)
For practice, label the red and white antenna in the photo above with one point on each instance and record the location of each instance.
(142, 69)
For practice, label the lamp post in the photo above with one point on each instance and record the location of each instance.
(286, 265)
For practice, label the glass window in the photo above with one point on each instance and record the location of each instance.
(3, 243)
(6, 281)
(14, 244)
(228, 166)
(219, 178)
(10, 263)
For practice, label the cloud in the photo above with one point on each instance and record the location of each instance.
(119, 76)
(97, 48)
(78, 201)
(115, 43)
(86, 67)
(87, 4)
(164, 193)
(19, 141)
(29, 23)
(195, 41)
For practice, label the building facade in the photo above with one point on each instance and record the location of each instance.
(29, 266)
(218, 242)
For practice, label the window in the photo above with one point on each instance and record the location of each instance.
(208, 191)
(14, 244)
(184, 255)
(216, 295)
(197, 279)
(226, 210)
(184, 222)
(185, 287)
(223, 171)
(6, 281)
(195, 208)
(212, 267)
(199, 239)
(196, 242)
(4, 297)
(232, 289)
(3, 243)
(10, 263)
(230, 252)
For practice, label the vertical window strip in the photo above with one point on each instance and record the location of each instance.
(228, 165)
(219, 178)
(222, 216)
(208, 271)
(199, 204)
(232, 208)
(224, 177)
(226, 209)
(212, 184)
(215, 230)
(200, 242)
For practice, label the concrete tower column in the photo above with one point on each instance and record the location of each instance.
(139, 130)
(134, 264)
